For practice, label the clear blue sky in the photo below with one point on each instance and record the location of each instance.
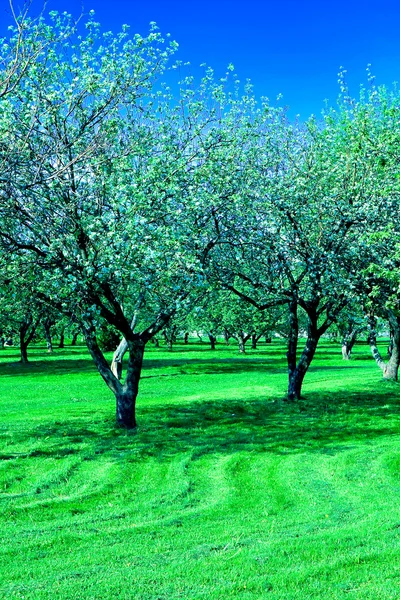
(292, 47)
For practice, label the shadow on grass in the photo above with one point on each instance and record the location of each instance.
(153, 367)
(319, 423)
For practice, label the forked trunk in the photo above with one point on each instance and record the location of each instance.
(390, 369)
(298, 369)
(126, 398)
(125, 394)
(346, 352)
(116, 364)
(26, 333)
(349, 339)
(74, 338)
(242, 339)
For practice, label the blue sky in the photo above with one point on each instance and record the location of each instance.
(284, 46)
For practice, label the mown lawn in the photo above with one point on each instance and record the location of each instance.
(224, 491)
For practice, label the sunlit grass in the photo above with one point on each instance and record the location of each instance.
(224, 491)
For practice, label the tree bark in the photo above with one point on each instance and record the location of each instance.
(254, 341)
(390, 369)
(23, 347)
(186, 337)
(294, 388)
(126, 399)
(47, 325)
(347, 345)
(298, 370)
(27, 330)
(116, 364)
(74, 338)
(242, 338)
(61, 343)
(212, 339)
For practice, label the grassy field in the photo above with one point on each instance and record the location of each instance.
(223, 492)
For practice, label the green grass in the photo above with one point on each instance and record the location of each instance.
(224, 491)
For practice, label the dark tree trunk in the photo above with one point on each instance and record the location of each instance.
(213, 340)
(74, 338)
(170, 337)
(391, 343)
(350, 334)
(27, 330)
(298, 369)
(24, 352)
(347, 344)
(291, 355)
(268, 339)
(242, 338)
(186, 337)
(47, 325)
(125, 394)
(61, 343)
(126, 399)
(227, 336)
(254, 341)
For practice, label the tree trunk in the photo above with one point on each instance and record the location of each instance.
(298, 370)
(349, 339)
(291, 355)
(26, 332)
(125, 394)
(227, 336)
(254, 340)
(74, 338)
(296, 378)
(126, 398)
(47, 324)
(391, 343)
(186, 337)
(61, 343)
(213, 340)
(170, 336)
(390, 370)
(116, 364)
(24, 352)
